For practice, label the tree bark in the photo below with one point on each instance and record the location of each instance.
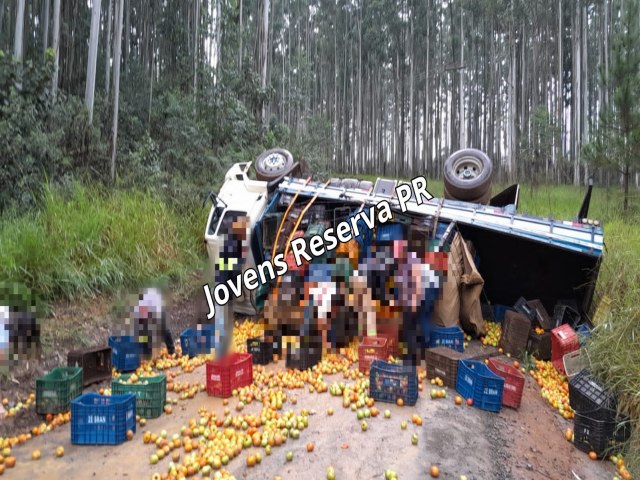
(116, 86)
(19, 32)
(93, 58)
(107, 50)
(45, 30)
(264, 49)
(56, 46)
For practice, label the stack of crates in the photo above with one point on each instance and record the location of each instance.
(597, 424)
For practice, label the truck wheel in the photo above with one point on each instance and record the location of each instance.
(273, 163)
(467, 174)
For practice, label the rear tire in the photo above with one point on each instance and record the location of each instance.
(467, 174)
(483, 200)
(272, 164)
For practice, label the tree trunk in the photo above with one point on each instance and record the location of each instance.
(93, 58)
(240, 34)
(19, 32)
(625, 180)
(264, 50)
(196, 23)
(463, 138)
(116, 85)
(56, 46)
(45, 31)
(107, 50)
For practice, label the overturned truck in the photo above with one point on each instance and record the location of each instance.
(517, 256)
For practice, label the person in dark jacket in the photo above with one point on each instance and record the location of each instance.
(230, 263)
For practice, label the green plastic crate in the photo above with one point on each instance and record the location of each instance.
(55, 390)
(150, 392)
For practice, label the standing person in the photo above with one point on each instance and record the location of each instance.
(230, 263)
(150, 321)
(414, 282)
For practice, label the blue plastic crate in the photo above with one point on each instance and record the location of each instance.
(195, 342)
(102, 419)
(452, 337)
(583, 332)
(125, 353)
(388, 232)
(499, 311)
(389, 381)
(477, 382)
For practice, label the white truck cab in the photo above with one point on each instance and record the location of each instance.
(239, 195)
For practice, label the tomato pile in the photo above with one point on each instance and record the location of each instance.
(494, 333)
(554, 387)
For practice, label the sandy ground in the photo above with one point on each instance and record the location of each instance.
(460, 440)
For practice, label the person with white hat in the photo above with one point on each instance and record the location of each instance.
(150, 318)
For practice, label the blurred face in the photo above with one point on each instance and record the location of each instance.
(239, 227)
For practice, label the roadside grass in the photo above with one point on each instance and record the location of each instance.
(89, 241)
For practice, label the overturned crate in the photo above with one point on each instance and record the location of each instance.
(442, 362)
(515, 333)
(95, 364)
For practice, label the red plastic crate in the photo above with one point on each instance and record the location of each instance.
(564, 340)
(372, 348)
(231, 372)
(390, 332)
(513, 382)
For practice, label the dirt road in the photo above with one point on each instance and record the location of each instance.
(527, 444)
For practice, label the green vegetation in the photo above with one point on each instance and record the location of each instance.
(86, 241)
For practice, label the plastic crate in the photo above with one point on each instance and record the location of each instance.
(261, 351)
(195, 342)
(535, 311)
(102, 419)
(452, 337)
(388, 382)
(515, 333)
(125, 353)
(233, 371)
(601, 436)
(542, 318)
(583, 331)
(56, 389)
(499, 311)
(320, 272)
(95, 364)
(150, 392)
(565, 314)
(477, 382)
(563, 340)
(574, 362)
(371, 348)
(513, 382)
(388, 232)
(304, 355)
(539, 345)
(587, 394)
(443, 362)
